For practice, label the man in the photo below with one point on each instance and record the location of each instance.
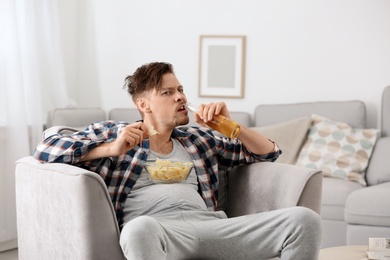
(179, 221)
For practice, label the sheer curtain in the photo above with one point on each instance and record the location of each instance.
(32, 81)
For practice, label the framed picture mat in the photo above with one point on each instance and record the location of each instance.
(222, 66)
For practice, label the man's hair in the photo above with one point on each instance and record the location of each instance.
(146, 78)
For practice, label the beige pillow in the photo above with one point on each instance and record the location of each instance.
(289, 135)
(337, 149)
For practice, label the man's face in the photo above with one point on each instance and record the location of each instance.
(168, 104)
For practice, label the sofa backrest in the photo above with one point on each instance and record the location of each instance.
(132, 115)
(243, 118)
(78, 118)
(385, 122)
(351, 112)
(379, 167)
(124, 114)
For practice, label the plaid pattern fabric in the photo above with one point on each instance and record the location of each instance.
(210, 154)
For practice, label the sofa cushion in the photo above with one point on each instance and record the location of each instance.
(337, 149)
(369, 206)
(334, 196)
(289, 135)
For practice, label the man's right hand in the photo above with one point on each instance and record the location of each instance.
(128, 137)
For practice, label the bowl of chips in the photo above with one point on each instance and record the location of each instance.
(166, 171)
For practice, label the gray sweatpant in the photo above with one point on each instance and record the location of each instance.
(291, 233)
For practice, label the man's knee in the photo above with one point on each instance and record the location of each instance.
(307, 220)
(307, 215)
(140, 231)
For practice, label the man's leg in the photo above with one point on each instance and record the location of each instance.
(292, 233)
(167, 237)
(143, 238)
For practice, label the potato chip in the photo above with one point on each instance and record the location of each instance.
(152, 131)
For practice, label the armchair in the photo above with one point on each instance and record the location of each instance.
(65, 212)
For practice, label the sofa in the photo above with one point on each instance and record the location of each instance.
(65, 212)
(367, 210)
(351, 212)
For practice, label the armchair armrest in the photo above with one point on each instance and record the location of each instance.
(64, 212)
(266, 186)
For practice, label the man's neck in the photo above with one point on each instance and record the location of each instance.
(160, 144)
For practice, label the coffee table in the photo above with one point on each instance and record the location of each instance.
(344, 253)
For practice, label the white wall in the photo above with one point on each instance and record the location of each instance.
(298, 50)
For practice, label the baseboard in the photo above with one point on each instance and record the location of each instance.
(8, 245)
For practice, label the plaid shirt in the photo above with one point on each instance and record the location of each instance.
(210, 154)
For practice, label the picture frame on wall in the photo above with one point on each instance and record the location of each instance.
(222, 66)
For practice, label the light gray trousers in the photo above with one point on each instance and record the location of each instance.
(291, 233)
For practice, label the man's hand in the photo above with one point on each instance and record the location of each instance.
(128, 137)
(206, 112)
(252, 140)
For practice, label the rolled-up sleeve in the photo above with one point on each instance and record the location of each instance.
(71, 148)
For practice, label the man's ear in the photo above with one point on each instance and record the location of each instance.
(143, 105)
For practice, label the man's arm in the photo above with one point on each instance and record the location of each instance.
(252, 140)
(100, 140)
(256, 142)
(129, 137)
